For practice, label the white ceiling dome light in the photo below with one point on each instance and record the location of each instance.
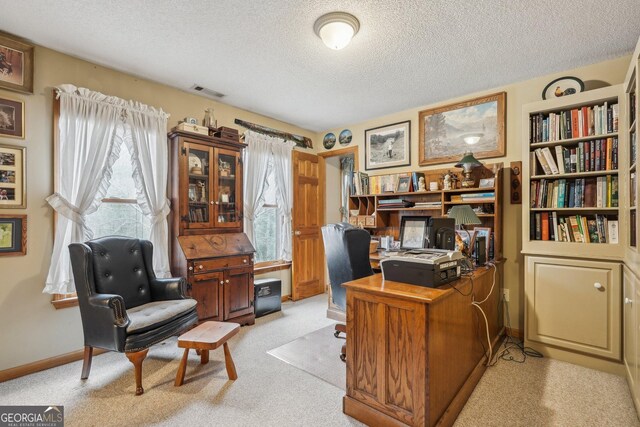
(336, 29)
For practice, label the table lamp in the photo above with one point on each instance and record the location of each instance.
(464, 215)
(468, 163)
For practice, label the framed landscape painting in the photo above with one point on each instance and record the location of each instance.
(13, 235)
(477, 125)
(388, 146)
(16, 65)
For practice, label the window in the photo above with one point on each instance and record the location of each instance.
(119, 213)
(268, 224)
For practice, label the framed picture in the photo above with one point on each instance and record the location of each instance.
(487, 183)
(388, 146)
(16, 65)
(11, 118)
(404, 184)
(486, 233)
(13, 235)
(413, 232)
(477, 125)
(12, 177)
(465, 240)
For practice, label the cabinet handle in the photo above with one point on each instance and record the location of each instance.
(297, 232)
(598, 286)
(211, 202)
(200, 267)
(226, 281)
(191, 268)
(628, 301)
(244, 260)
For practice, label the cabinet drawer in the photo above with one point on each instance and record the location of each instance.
(204, 265)
(574, 304)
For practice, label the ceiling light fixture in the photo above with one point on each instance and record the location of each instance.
(336, 29)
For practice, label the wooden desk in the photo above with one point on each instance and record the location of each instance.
(414, 354)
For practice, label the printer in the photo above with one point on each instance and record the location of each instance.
(423, 267)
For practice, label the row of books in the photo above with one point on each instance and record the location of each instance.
(634, 147)
(199, 214)
(576, 228)
(633, 185)
(473, 197)
(597, 192)
(363, 184)
(632, 105)
(587, 156)
(575, 123)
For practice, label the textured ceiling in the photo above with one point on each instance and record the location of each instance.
(265, 57)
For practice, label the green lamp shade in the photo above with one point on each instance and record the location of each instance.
(464, 215)
(469, 160)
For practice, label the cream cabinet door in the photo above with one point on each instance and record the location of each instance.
(630, 328)
(574, 304)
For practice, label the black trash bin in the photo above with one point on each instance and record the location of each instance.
(267, 295)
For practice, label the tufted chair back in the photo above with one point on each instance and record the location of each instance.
(119, 267)
(347, 252)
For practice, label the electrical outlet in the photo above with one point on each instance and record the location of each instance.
(505, 292)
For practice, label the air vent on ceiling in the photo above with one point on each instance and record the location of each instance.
(207, 92)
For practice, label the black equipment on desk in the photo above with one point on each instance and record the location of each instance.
(436, 233)
(430, 267)
(480, 250)
(441, 233)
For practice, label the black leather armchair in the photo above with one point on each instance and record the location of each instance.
(347, 252)
(123, 305)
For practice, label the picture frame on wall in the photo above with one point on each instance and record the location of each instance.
(11, 118)
(388, 146)
(13, 235)
(476, 125)
(12, 177)
(16, 65)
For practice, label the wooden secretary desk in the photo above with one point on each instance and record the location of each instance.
(209, 246)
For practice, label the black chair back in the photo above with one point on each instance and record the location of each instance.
(347, 253)
(119, 268)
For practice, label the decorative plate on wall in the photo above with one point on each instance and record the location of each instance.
(562, 87)
(345, 137)
(329, 141)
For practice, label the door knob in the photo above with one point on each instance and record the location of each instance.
(628, 301)
(297, 233)
(597, 285)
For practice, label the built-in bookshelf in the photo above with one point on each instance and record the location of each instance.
(632, 117)
(381, 212)
(572, 175)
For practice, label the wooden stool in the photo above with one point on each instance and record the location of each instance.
(204, 337)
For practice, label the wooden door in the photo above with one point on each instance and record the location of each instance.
(238, 292)
(308, 217)
(205, 289)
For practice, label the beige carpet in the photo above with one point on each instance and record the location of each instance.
(269, 392)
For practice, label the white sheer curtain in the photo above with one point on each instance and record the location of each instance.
(86, 153)
(88, 148)
(283, 174)
(147, 144)
(256, 167)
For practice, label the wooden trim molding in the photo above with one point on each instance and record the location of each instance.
(341, 152)
(41, 365)
(64, 301)
(270, 266)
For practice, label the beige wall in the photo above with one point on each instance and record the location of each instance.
(32, 329)
(518, 94)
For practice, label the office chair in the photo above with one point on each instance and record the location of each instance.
(347, 252)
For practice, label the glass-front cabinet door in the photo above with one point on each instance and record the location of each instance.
(228, 190)
(199, 209)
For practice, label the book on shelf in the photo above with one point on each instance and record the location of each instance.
(575, 123)
(586, 156)
(360, 185)
(593, 192)
(415, 180)
(468, 197)
(551, 226)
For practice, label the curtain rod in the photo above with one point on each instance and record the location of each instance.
(301, 141)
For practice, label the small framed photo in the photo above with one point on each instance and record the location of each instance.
(404, 184)
(388, 146)
(12, 177)
(465, 240)
(11, 118)
(13, 235)
(224, 198)
(16, 65)
(193, 193)
(487, 182)
(486, 233)
(413, 232)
